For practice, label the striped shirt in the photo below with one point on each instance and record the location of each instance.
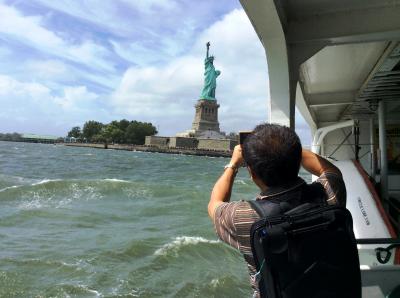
(233, 220)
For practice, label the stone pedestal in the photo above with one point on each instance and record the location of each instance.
(206, 116)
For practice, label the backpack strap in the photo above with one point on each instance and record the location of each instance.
(302, 208)
(258, 208)
(271, 207)
(297, 200)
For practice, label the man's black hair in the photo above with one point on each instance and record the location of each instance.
(273, 152)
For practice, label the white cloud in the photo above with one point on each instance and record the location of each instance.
(31, 31)
(302, 129)
(32, 107)
(10, 87)
(163, 28)
(135, 52)
(4, 52)
(47, 69)
(57, 73)
(149, 6)
(151, 91)
(76, 98)
(112, 15)
(170, 91)
(145, 52)
(22, 102)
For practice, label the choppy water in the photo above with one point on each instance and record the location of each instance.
(81, 222)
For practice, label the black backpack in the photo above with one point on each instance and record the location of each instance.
(304, 250)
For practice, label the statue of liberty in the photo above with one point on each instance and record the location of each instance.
(210, 77)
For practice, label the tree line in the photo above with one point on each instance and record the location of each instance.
(120, 132)
(10, 137)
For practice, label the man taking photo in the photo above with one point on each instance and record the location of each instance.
(272, 155)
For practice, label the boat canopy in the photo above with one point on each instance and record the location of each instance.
(334, 60)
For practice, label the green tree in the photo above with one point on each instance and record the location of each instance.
(112, 133)
(137, 131)
(123, 124)
(99, 138)
(91, 128)
(75, 132)
(118, 136)
(10, 137)
(121, 132)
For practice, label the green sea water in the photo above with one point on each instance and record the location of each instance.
(83, 222)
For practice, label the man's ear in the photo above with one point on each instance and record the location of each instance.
(255, 179)
(252, 174)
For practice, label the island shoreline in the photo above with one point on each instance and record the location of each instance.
(153, 149)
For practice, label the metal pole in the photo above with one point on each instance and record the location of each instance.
(383, 151)
(356, 129)
(372, 146)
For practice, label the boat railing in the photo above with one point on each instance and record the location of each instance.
(384, 254)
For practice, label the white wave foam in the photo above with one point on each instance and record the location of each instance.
(31, 205)
(78, 265)
(40, 201)
(91, 291)
(240, 181)
(84, 288)
(122, 284)
(215, 283)
(116, 180)
(9, 187)
(88, 192)
(180, 241)
(44, 181)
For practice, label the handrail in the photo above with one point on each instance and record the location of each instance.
(323, 131)
(378, 241)
(383, 254)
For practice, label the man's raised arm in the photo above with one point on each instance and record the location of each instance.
(316, 164)
(223, 187)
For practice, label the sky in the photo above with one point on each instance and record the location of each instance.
(65, 62)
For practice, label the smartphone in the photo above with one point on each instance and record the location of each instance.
(243, 135)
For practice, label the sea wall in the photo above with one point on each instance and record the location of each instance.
(182, 142)
(157, 141)
(217, 144)
(185, 151)
(191, 143)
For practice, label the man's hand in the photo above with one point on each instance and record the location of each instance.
(223, 187)
(237, 157)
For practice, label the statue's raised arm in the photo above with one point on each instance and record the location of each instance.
(210, 77)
